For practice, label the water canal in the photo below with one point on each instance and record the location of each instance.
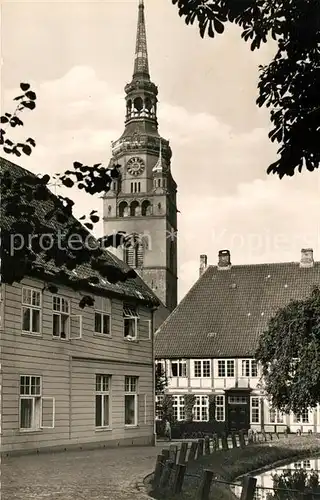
(265, 483)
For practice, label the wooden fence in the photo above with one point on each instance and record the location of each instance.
(171, 464)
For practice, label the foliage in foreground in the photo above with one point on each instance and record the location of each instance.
(20, 215)
(289, 352)
(289, 85)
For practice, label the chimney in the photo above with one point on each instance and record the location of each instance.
(224, 261)
(203, 264)
(306, 257)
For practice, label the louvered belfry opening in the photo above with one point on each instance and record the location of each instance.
(134, 251)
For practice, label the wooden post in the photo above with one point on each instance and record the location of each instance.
(270, 436)
(215, 442)
(241, 439)
(207, 445)
(248, 488)
(158, 470)
(200, 447)
(179, 477)
(183, 453)
(234, 440)
(173, 451)
(193, 451)
(205, 485)
(224, 440)
(166, 474)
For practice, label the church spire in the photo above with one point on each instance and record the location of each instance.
(141, 64)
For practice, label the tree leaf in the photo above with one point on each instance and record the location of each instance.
(27, 149)
(31, 95)
(24, 86)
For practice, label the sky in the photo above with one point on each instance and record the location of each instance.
(78, 56)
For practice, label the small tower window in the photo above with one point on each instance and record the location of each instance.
(146, 208)
(133, 251)
(139, 187)
(159, 182)
(138, 104)
(132, 184)
(123, 209)
(134, 208)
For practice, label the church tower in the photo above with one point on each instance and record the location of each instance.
(142, 201)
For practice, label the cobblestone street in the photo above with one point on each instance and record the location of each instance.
(108, 474)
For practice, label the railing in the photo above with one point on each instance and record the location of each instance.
(171, 469)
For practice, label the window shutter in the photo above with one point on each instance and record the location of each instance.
(144, 329)
(47, 412)
(75, 327)
(142, 409)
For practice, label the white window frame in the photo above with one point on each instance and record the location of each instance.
(202, 363)
(249, 366)
(178, 405)
(220, 403)
(163, 364)
(181, 368)
(131, 389)
(37, 404)
(59, 313)
(32, 307)
(103, 307)
(201, 409)
(255, 405)
(102, 392)
(300, 419)
(275, 416)
(130, 313)
(226, 363)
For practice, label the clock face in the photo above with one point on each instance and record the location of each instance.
(135, 166)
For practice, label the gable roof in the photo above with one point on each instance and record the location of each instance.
(131, 288)
(226, 310)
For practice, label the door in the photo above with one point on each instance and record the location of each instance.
(238, 413)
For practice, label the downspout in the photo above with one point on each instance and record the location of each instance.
(153, 310)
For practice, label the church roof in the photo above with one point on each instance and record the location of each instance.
(226, 310)
(131, 288)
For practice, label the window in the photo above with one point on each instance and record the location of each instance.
(255, 410)
(102, 316)
(237, 400)
(159, 411)
(61, 317)
(178, 368)
(36, 412)
(130, 401)
(303, 418)
(103, 400)
(31, 309)
(202, 368)
(201, 409)
(249, 368)
(178, 408)
(226, 368)
(304, 464)
(130, 321)
(275, 416)
(219, 409)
